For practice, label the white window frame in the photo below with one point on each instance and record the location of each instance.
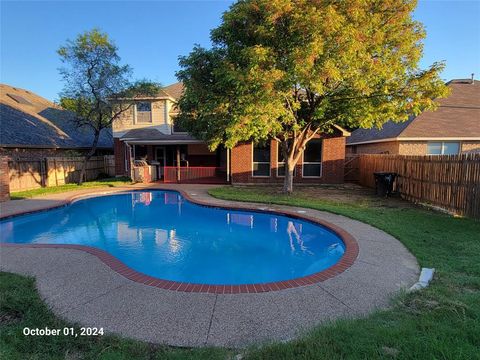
(283, 164)
(136, 113)
(443, 147)
(316, 162)
(262, 162)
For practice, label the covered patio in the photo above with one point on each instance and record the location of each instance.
(177, 158)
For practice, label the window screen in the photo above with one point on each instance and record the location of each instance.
(312, 159)
(144, 112)
(261, 160)
(443, 148)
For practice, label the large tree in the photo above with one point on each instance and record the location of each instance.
(289, 70)
(97, 87)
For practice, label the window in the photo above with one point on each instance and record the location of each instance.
(443, 148)
(144, 112)
(139, 152)
(281, 163)
(261, 160)
(312, 159)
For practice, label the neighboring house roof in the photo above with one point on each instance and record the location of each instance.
(174, 90)
(153, 135)
(28, 120)
(171, 92)
(457, 117)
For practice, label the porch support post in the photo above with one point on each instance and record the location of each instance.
(228, 165)
(178, 163)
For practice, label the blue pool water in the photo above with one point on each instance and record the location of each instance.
(161, 234)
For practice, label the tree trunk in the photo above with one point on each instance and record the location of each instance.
(81, 179)
(291, 150)
(288, 180)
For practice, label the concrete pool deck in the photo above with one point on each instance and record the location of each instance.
(80, 287)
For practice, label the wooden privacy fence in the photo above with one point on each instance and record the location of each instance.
(451, 182)
(351, 168)
(53, 171)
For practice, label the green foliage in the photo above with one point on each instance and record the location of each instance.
(97, 86)
(290, 69)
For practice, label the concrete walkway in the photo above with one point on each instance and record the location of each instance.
(81, 288)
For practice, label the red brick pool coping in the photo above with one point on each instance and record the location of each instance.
(347, 260)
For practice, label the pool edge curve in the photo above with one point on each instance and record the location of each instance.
(345, 262)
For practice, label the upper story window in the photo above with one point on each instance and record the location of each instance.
(443, 148)
(312, 159)
(261, 160)
(144, 112)
(281, 163)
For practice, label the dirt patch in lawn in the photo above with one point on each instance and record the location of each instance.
(345, 193)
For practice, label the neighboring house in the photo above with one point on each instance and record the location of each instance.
(148, 132)
(453, 128)
(33, 127)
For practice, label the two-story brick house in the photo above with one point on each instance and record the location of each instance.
(148, 132)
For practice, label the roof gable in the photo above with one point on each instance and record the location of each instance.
(457, 116)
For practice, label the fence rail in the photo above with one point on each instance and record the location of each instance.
(194, 174)
(27, 174)
(451, 182)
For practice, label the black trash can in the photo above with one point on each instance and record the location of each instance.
(384, 183)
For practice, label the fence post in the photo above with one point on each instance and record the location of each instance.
(55, 169)
(42, 173)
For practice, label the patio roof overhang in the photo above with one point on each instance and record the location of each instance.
(160, 142)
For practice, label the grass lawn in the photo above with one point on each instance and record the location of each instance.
(20, 306)
(441, 322)
(108, 182)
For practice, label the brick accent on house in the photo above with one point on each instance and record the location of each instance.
(390, 147)
(412, 148)
(333, 159)
(405, 147)
(470, 146)
(198, 155)
(119, 149)
(4, 179)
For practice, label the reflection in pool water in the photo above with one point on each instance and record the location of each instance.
(161, 234)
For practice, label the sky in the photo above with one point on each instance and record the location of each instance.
(151, 35)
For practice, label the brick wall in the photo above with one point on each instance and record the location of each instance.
(468, 146)
(119, 149)
(404, 147)
(389, 147)
(333, 159)
(412, 148)
(4, 179)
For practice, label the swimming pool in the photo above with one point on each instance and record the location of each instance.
(161, 234)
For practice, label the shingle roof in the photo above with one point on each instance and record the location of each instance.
(174, 90)
(29, 120)
(457, 116)
(150, 134)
